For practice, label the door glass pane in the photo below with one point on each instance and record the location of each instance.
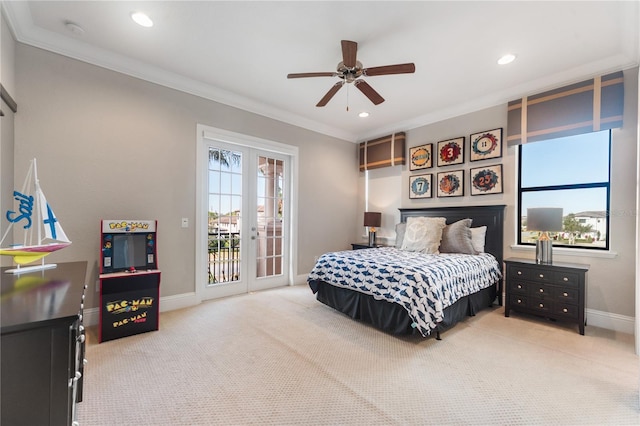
(270, 203)
(225, 198)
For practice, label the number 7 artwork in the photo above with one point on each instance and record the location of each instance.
(485, 145)
(486, 180)
(420, 186)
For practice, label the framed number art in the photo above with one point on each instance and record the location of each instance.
(486, 180)
(485, 145)
(420, 186)
(451, 152)
(421, 157)
(451, 184)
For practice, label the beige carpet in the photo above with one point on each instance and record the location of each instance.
(279, 357)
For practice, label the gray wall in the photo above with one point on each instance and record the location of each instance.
(7, 73)
(112, 146)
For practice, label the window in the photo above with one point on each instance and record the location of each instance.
(572, 173)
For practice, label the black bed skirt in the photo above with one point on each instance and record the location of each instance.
(393, 318)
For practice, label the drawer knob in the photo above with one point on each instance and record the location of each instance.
(542, 290)
(519, 300)
(565, 279)
(520, 286)
(541, 305)
(565, 294)
(519, 273)
(541, 275)
(565, 310)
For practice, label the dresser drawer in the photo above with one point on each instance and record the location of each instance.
(521, 272)
(566, 279)
(567, 311)
(518, 287)
(566, 295)
(518, 301)
(541, 290)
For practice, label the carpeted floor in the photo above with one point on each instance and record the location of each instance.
(279, 357)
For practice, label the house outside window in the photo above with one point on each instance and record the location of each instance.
(572, 173)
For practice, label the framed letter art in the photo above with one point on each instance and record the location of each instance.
(421, 157)
(485, 145)
(451, 152)
(451, 184)
(420, 186)
(486, 180)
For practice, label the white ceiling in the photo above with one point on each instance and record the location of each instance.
(239, 53)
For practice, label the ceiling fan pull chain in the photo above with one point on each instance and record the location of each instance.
(347, 98)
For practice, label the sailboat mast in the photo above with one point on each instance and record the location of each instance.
(38, 206)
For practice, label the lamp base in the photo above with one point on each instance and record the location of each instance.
(544, 251)
(372, 238)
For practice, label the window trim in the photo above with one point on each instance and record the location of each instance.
(563, 247)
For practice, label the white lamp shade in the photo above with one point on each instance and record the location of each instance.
(544, 219)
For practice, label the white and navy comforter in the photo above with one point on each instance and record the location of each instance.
(424, 284)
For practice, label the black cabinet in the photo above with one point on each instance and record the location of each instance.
(42, 345)
(128, 303)
(358, 246)
(556, 291)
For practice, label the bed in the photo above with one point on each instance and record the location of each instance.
(384, 305)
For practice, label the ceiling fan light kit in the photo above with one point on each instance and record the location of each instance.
(349, 70)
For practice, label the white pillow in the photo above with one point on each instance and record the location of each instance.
(477, 238)
(423, 234)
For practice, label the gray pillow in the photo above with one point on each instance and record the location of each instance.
(400, 229)
(456, 238)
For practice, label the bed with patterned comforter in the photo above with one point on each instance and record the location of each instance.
(423, 284)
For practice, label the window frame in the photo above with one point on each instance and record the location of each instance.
(606, 185)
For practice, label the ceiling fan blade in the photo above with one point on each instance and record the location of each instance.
(368, 91)
(390, 69)
(312, 74)
(349, 51)
(334, 89)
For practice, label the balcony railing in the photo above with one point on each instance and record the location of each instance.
(224, 257)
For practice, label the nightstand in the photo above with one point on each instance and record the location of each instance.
(358, 246)
(556, 291)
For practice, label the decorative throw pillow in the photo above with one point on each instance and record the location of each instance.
(456, 238)
(423, 234)
(478, 237)
(400, 230)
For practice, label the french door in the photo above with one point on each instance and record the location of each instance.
(246, 193)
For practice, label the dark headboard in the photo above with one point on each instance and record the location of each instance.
(490, 216)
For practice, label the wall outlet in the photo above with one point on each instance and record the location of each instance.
(185, 222)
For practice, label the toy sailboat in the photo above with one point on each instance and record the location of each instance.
(42, 235)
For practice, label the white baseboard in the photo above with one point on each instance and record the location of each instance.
(615, 322)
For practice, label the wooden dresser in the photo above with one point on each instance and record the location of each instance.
(42, 345)
(556, 291)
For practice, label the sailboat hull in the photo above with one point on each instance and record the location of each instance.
(27, 254)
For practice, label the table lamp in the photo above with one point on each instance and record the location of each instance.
(373, 221)
(544, 219)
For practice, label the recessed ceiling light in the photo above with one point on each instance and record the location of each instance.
(363, 114)
(142, 19)
(506, 59)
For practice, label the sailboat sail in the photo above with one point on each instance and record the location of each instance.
(42, 233)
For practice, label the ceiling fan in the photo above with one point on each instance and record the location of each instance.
(350, 70)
